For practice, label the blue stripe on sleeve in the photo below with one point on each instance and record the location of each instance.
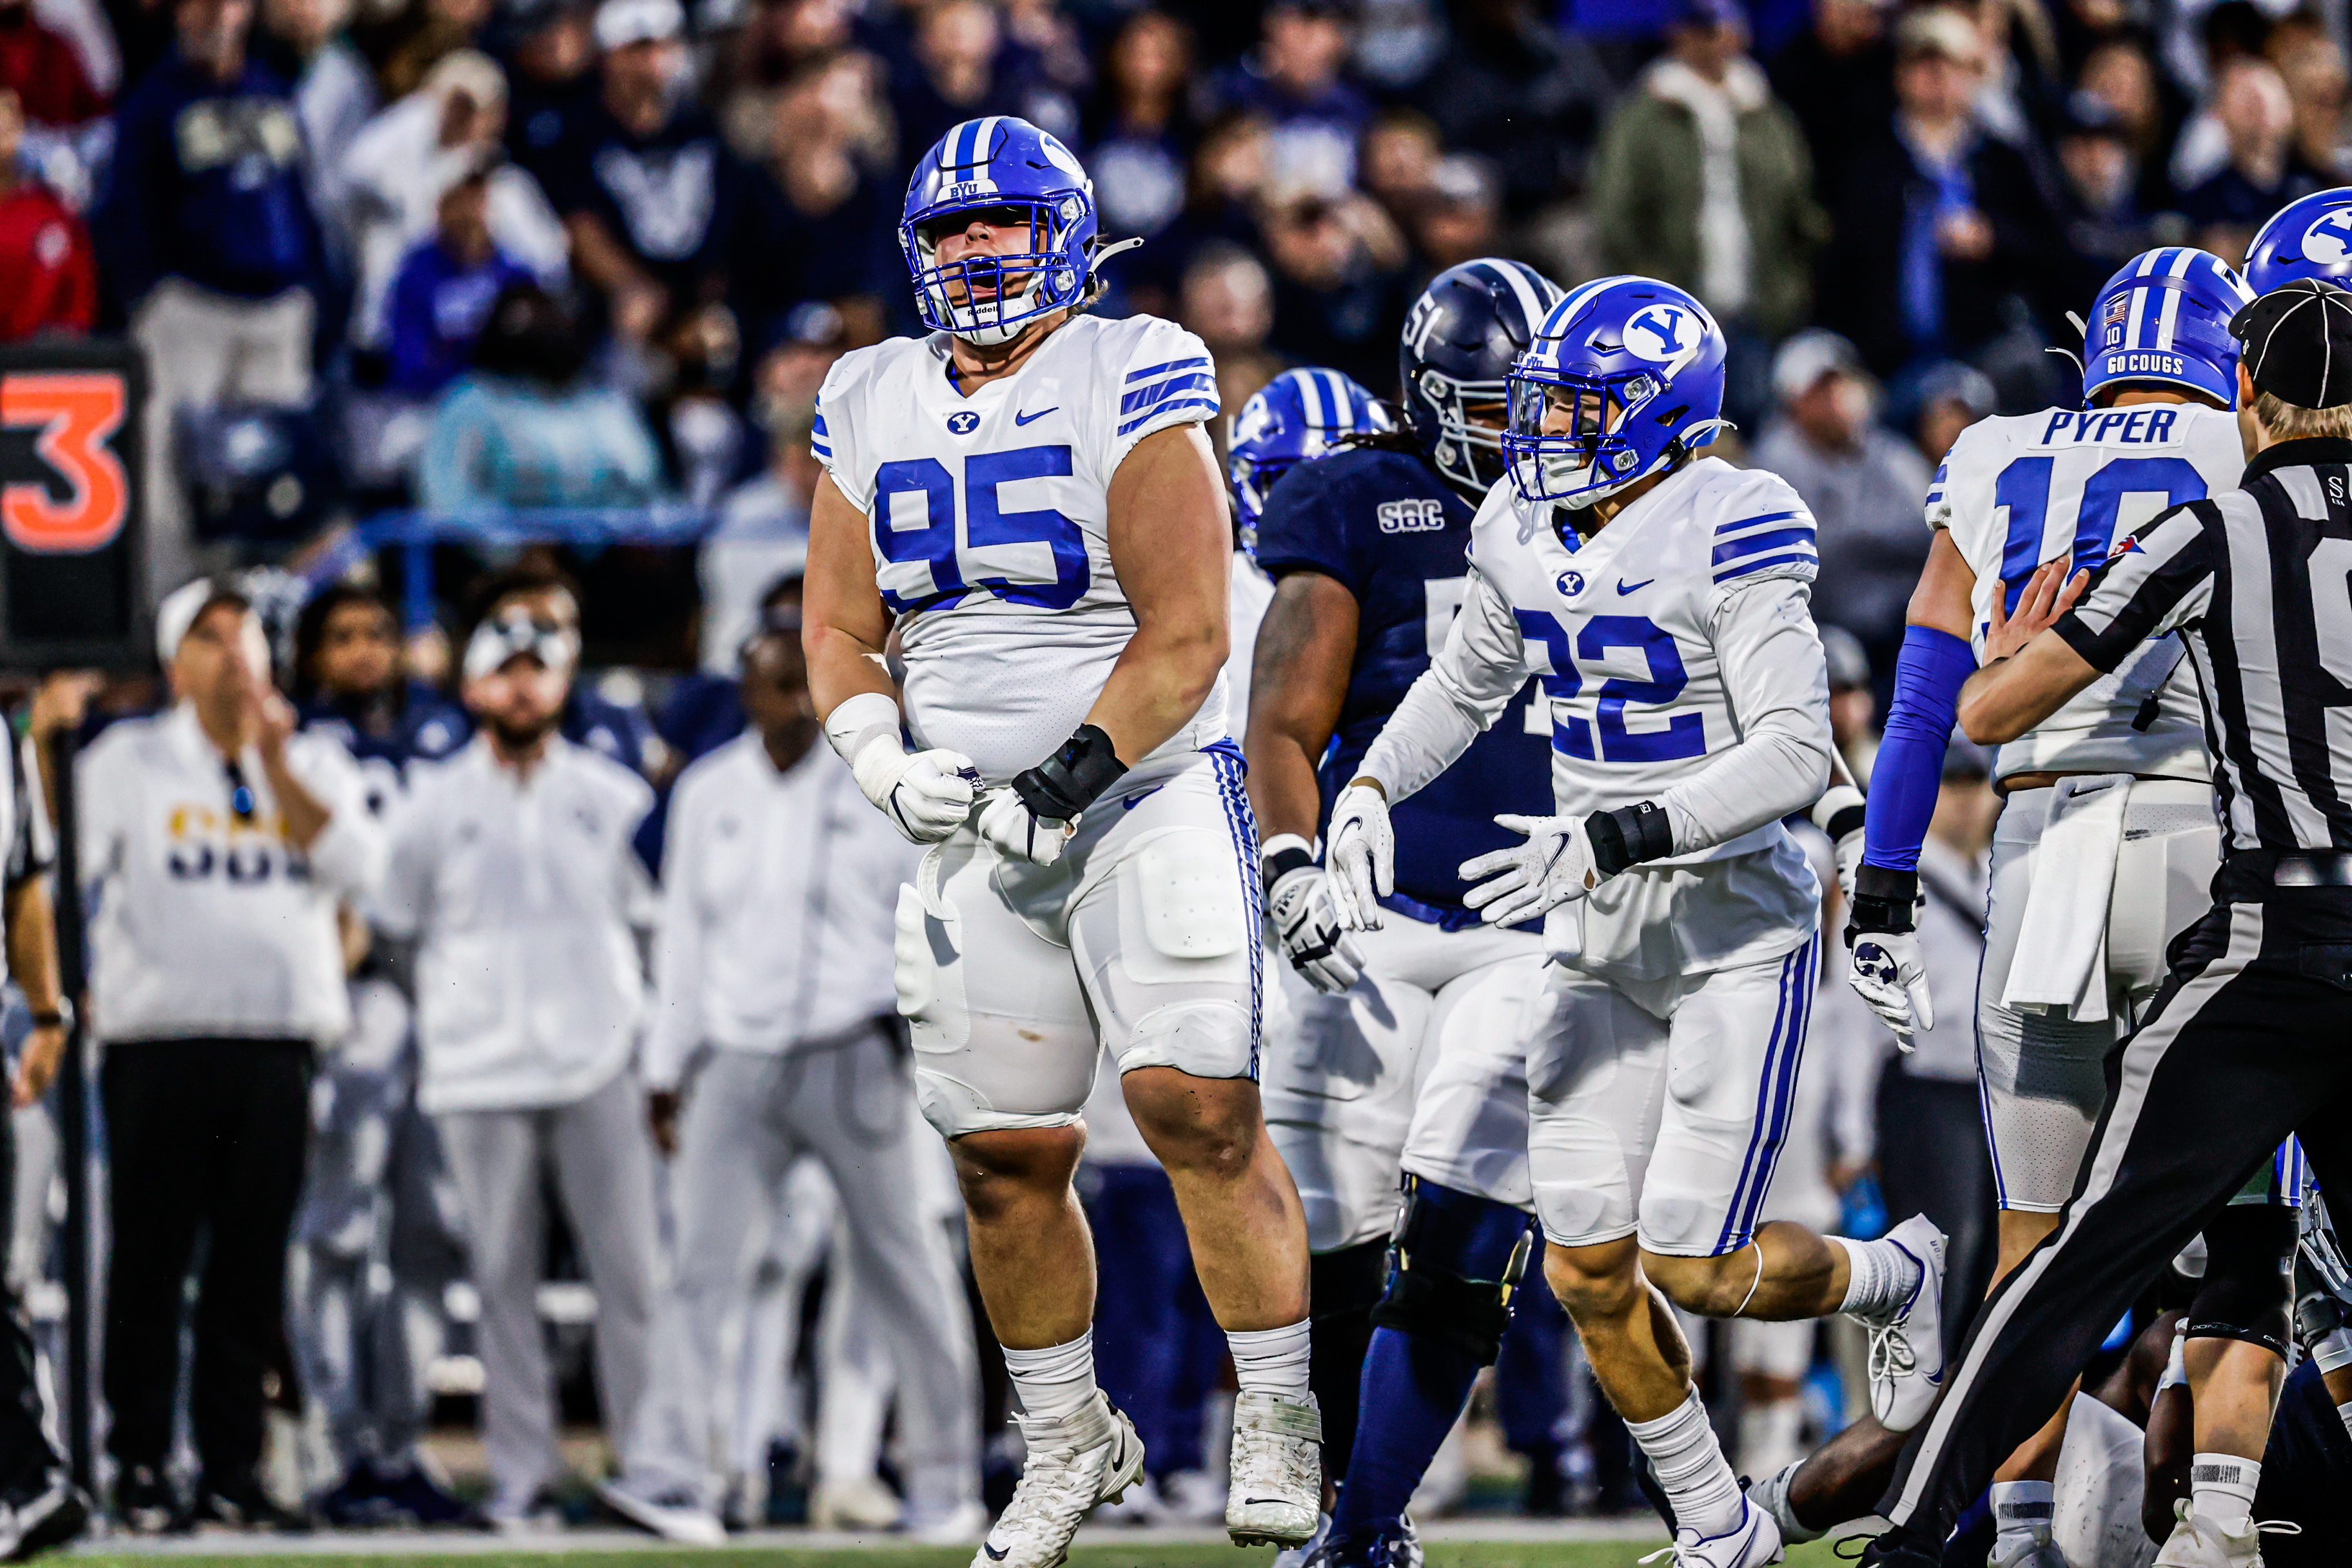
(1151, 370)
(1801, 556)
(1772, 539)
(1757, 520)
(1159, 391)
(1148, 415)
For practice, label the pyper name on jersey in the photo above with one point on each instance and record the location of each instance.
(2142, 426)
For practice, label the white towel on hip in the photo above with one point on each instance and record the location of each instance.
(2061, 940)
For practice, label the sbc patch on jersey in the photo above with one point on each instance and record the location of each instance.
(1419, 514)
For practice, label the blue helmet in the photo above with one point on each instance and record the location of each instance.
(1653, 357)
(1016, 174)
(2307, 238)
(2165, 318)
(1295, 418)
(1460, 338)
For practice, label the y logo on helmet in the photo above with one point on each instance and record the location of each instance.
(1660, 334)
(2328, 240)
(962, 422)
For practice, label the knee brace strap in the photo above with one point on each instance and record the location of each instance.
(2244, 1295)
(1454, 1267)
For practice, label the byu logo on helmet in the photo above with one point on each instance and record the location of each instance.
(2310, 237)
(1658, 333)
(1460, 338)
(2328, 240)
(962, 422)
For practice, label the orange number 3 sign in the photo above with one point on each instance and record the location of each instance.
(76, 412)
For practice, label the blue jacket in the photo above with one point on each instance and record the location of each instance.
(206, 184)
(436, 313)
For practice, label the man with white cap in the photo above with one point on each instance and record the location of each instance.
(641, 178)
(511, 864)
(217, 844)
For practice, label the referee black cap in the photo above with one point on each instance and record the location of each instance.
(2297, 341)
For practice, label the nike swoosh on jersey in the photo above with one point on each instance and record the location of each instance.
(1624, 588)
(995, 1552)
(1021, 418)
(1132, 802)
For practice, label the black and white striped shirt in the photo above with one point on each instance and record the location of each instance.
(2258, 582)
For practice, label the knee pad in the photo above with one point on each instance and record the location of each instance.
(1455, 1264)
(1348, 1283)
(2244, 1295)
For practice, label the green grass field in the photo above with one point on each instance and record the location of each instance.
(1442, 1554)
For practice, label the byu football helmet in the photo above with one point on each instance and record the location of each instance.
(1625, 375)
(2307, 238)
(1460, 339)
(1007, 173)
(1295, 418)
(2164, 318)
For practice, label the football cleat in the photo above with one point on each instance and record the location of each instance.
(2198, 1541)
(1074, 1462)
(1906, 1344)
(1277, 1486)
(1752, 1542)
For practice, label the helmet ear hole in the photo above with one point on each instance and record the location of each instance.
(1671, 415)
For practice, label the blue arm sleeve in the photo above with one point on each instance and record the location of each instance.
(1909, 767)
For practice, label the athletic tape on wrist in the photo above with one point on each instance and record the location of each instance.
(1071, 779)
(1629, 835)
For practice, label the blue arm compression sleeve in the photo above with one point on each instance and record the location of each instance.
(1909, 767)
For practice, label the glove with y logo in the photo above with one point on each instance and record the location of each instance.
(1298, 902)
(1884, 967)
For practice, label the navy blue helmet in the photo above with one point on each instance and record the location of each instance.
(1460, 339)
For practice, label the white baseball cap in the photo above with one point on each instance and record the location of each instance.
(620, 23)
(182, 606)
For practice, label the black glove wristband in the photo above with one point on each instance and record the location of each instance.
(1284, 861)
(1629, 835)
(1883, 901)
(1073, 778)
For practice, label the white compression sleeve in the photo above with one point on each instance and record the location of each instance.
(1465, 687)
(1778, 685)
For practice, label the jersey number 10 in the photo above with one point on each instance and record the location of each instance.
(903, 531)
(2023, 488)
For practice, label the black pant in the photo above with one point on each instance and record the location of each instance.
(1933, 1160)
(26, 1457)
(2250, 1039)
(206, 1138)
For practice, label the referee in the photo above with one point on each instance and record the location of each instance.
(2246, 1043)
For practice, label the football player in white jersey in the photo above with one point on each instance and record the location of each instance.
(1022, 510)
(1663, 599)
(2108, 839)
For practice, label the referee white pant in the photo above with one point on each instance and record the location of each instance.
(601, 1152)
(849, 1100)
(2244, 1045)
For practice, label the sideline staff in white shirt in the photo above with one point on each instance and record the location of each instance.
(511, 865)
(777, 1018)
(217, 844)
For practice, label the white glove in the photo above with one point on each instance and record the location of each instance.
(1554, 866)
(1360, 847)
(1841, 807)
(1300, 904)
(927, 794)
(1885, 970)
(1006, 821)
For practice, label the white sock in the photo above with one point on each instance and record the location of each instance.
(1697, 1479)
(2022, 1509)
(2344, 1413)
(2221, 1488)
(1054, 1381)
(1271, 1360)
(1880, 1275)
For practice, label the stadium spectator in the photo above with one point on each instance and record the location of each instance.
(334, 94)
(2251, 107)
(774, 1033)
(642, 179)
(1938, 225)
(551, 56)
(954, 71)
(350, 683)
(1948, 399)
(1139, 132)
(526, 427)
(49, 280)
(1294, 82)
(616, 731)
(511, 865)
(208, 240)
(1703, 179)
(1512, 89)
(421, 35)
(442, 296)
(1862, 483)
(217, 844)
(762, 534)
(1398, 164)
(44, 70)
(2099, 203)
(2311, 62)
(406, 158)
(1838, 78)
(1459, 219)
(2121, 76)
(819, 225)
(1340, 284)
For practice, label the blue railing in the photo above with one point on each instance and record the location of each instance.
(414, 533)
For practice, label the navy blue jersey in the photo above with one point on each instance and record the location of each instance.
(2303, 1476)
(1389, 530)
(424, 727)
